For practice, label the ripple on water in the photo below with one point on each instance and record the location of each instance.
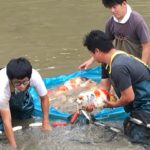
(72, 137)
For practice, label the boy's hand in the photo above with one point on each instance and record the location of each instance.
(89, 107)
(46, 126)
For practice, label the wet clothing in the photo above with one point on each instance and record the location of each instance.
(129, 36)
(138, 132)
(126, 71)
(21, 105)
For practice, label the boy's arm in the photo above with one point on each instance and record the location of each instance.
(105, 84)
(45, 109)
(6, 118)
(146, 52)
(86, 64)
(127, 96)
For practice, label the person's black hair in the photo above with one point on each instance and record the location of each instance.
(19, 68)
(110, 3)
(98, 39)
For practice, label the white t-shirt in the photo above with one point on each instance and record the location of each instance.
(5, 93)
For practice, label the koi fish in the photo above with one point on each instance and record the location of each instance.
(74, 84)
(77, 92)
(71, 87)
(63, 96)
(95, 96)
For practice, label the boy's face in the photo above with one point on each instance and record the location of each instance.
(119, 10)
(21, 84)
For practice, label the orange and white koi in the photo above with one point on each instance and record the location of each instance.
(63, 96)
(72, 85)
(95, 96)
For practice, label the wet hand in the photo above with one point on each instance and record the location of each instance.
(13, 146)
(83, 66)
(46, 127)
(108, 104)
(86, 64)
(89, 107)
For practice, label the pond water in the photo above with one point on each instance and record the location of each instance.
(49, 33)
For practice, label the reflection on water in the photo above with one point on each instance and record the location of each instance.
(49, 33)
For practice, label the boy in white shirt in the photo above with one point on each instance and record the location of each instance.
(15, 100)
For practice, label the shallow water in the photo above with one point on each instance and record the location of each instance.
(49, 33)
(72, 137)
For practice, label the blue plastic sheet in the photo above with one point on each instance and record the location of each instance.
(93, 74)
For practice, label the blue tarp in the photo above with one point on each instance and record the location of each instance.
(93, 74)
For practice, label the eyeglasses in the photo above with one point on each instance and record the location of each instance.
(24, 82)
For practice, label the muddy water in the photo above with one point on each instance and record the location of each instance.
(71, 138)
(49, 33)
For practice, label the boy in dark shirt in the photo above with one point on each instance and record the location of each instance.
(130, 77)
(128, 30)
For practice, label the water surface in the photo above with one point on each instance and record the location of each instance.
(49, 33)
